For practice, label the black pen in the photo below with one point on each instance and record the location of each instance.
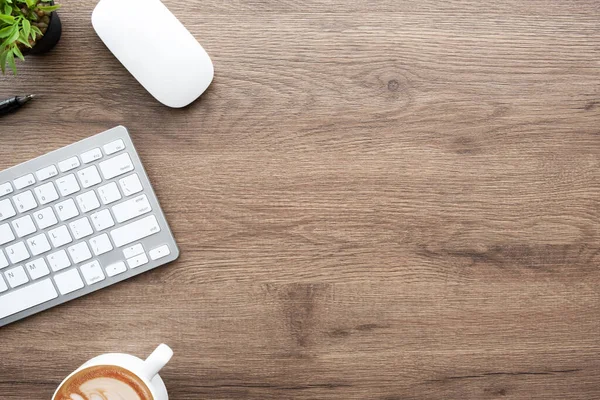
(13, 104)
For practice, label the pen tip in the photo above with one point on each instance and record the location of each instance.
(30, 96)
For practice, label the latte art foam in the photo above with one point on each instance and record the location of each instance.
(105, 389)
(104, 382)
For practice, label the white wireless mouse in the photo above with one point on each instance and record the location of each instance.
(155, 48)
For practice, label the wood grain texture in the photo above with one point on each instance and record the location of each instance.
(374, 200)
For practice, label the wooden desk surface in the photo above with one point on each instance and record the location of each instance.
(374, 200)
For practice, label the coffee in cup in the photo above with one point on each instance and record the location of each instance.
(104, 382)
(117, 376)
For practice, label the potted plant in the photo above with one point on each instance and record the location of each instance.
(27, 27)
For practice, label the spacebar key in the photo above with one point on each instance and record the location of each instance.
(30, 296)
(135, 231)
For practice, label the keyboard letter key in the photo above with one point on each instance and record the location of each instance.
(60, 236)
(16, 277)
(17, 252)
(37, 269)
(67, 210)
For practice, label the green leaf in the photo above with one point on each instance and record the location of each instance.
(14, 35)
(49, 8)
(4, 32)
(23, 39)
(3, 55)
(31, 3)
(7, 9)
(18, 53)
(9, 19)
(35, 31)
(26, 27)
(10, 59)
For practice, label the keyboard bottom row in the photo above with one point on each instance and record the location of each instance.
(70, 281)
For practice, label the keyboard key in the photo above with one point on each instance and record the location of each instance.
(59, 260)
(131, 185)
(25, 201)
(116, 269)
(81, 228)
(88, 201)
(38, 244)
(116, 166)
(91, 156)
(16, 276)
(79, 253)
(67, 185)
(37, 269)
(92, 272)
(24, 226)
(89, 177)
(68, 165)
(45, 218)
(135, 231)
(160, 252)
(109, 193)
(137, 261)
(27, 297)
(5, 188)
(102, 220)
(67, 210)
(6, 210)
(131, 209)
(24, 181)
(60, 236)
(46, 173)
(3, 260)
(3, 287)
(46, 193)
(68, 282)
(131, 251)
(100, 244)
(114, 147)
(6, 234)
(17, 252)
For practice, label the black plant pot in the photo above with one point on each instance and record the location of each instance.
(50, 38)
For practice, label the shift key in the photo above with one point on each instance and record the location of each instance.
(135, 231)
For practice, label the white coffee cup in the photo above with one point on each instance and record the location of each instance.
(146, 370)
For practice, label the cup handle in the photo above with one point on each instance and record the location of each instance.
(157, 360)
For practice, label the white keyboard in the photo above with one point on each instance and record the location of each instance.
(76, 220)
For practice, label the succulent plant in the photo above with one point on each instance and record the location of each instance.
(22, 24)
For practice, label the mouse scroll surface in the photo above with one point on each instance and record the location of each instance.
(160, 52)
